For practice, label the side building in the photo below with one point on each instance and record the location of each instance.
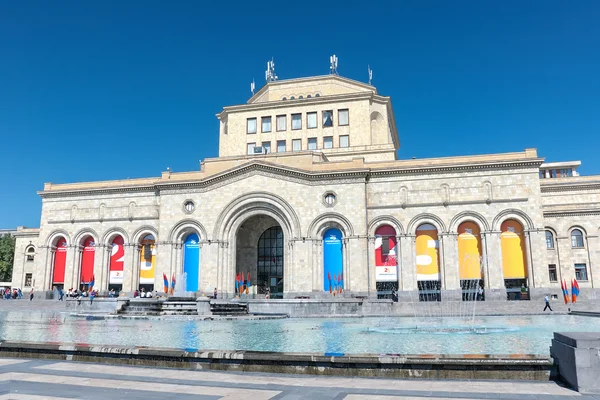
(308, 198)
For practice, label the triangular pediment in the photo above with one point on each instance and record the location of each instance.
(305, 88)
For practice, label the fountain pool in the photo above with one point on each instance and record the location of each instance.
(483, 335)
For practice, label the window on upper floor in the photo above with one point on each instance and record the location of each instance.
(566, 172)
(552, 273)
(296, 144)
(281, 146)
(344, 141)
(266, 147)
(281, 123)
(251, 125)
(311, 120)
(576, 238)
(549, 240)
(542, 174)
(327, 118)
(30, 253)
(296, 121)
(312, 143)
(328, 142)
(343, 118)
(251, 147)
(581, 272)
(266, 124)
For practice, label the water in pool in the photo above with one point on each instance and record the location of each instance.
(490, 335)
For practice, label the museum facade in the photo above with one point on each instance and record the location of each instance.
(308, 199)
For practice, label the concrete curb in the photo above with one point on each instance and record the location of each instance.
(430, 366)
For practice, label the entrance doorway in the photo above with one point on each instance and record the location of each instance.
(260, 255)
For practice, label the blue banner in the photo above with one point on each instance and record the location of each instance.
(333, 280)
(191, 262)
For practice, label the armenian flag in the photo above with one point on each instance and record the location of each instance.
(248, 285)
(565, 290)
(166, 283)
(329, 279)
(173, 282)
(574, 290)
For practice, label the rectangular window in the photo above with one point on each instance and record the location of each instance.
(553, 173)
(251, 125)
(28, 278)
(266, 124)
(311, 120)
(552, 273)
(296, 121)
(327, 118)
(281, 146)
(343, 119)
(296, 144)
(266, 147)
(344, 141)
(281, 123)
(312, 143)
(580, 272)
(542, 176)
(251, 147)
(328, 142)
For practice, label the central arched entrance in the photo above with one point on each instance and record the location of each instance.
(260, 257)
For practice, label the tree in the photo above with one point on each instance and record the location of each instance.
(7, 255)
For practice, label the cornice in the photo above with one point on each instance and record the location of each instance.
(309, 177)
(570, 187)
(572, 213)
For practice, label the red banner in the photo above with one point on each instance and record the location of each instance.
(60, 260)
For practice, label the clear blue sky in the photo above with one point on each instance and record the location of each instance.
(96, 90)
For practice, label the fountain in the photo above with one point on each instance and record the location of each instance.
(180, 286)
(450, 312)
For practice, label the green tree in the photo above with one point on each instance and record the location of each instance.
(7, 255)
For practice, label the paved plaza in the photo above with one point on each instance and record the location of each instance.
(44, 379)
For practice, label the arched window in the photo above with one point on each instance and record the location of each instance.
(292, 98)
(300, 97)
(549, 240)
(576, 238)
(30, 253)
(317, 95)
(270, 261)
(284, 98)
(116, 263)
(147, 262)
(191, 261)
(60, 260)
(87, 262)
(308, 96)
(386, 261)
(514, 260)
(333, 274)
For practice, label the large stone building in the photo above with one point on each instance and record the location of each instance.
(308, 197)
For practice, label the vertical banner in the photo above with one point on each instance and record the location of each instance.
(469, 251)
(386, 260)
(332, 260)
(60, 261)
(87, 260)
(117, 261)
(191, 258)
(147, 260)
(428, 267)
(514, 257)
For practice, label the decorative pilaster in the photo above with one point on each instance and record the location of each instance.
(451, 264)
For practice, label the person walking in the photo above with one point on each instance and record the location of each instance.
(547, 300)
(31, 295)
(215, 294)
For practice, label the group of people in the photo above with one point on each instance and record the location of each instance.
(79, 294)
(142, 293)
(14, 294)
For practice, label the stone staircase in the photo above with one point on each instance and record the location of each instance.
(171, 306)
(225, 308)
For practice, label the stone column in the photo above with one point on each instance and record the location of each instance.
(409, 268)
(101, 259)
(371, 266)
(72, 266)
(44, 282)
(495, 289)
(450, 263)
(567, 269)
(130, 267)
(316, 265)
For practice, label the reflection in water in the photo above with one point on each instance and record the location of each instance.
(493, 335)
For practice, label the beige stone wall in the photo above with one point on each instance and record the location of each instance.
(26, 239)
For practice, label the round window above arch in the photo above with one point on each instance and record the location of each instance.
(308, 96)
(300, 97)
(329, 199)
(292, 98)
(189, 206)
(284, 98)
(317, 95)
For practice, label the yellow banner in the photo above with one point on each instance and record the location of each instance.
(147, 262)
(428, 267)
(469, 251)
(514, 256)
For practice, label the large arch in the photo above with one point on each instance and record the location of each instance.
(52, 237)
(256, 201)
(146, 239)
(464, 216)
(512, 213)
(330, 220)
(425, 218)
(235, 215)
(59, 242)
(385, 220)
(111, 233)
(80, 236)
